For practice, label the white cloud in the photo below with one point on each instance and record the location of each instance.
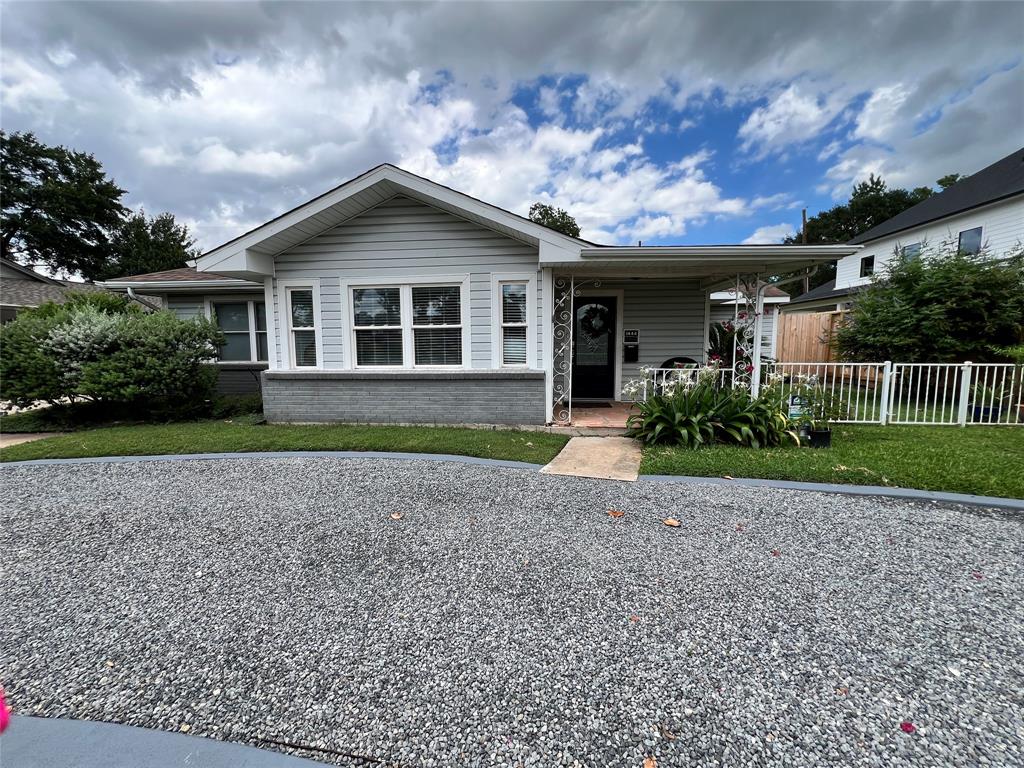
(791, 117)
(882, 117)
(772, 233)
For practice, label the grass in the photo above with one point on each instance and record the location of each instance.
(980, 460)
(243, 434)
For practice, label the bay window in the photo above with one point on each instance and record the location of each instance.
(244, 325)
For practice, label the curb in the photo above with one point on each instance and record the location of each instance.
(911, 494)
(279, 455)
(51, 742)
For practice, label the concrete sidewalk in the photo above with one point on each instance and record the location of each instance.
(605, 458)
(46, 742)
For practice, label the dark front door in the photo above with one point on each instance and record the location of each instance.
(593, 359)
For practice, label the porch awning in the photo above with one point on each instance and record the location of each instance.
(698, 261)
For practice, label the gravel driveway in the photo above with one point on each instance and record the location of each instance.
(507, 619)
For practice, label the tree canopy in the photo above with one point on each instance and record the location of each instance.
(143, 244)
(60, 209)
(554, 218)
(945, 307)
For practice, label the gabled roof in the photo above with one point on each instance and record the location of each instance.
(1001, 180)
(27, 272)
(357, 195)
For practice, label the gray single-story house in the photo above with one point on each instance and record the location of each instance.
(392, 298)
(21, 287)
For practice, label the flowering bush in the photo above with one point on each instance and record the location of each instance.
(153, 362)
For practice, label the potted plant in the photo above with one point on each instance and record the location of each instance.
(821, 407)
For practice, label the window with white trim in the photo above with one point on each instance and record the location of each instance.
(401, 326)
(437, 324)
(302, 327)
(514, 324)
(244, 325)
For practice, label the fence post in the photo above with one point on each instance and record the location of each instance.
(965, 393)
(883, 416)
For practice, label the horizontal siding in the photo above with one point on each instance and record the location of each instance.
(1002, 229)
(405, 238)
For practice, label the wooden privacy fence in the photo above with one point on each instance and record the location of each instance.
(806, 336)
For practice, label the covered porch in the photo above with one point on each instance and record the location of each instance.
(617, 311)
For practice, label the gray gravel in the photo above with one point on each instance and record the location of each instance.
(506, 619)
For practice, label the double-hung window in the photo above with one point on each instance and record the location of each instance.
(302, 327)
(404, 326)
(437, 324)
(867, 266)
(244, 325)
(514, 325)
(377, 319)
(969, 242)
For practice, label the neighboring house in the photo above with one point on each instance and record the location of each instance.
(724, 308)
(237, 305)
(22, 287)
(985, 211)
(395, 299)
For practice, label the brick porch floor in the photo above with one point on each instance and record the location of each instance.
(613, 417)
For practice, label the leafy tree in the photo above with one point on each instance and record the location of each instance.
(554, 218)
(144, 244)
(950, 179)
(59, 207)
(942, 308)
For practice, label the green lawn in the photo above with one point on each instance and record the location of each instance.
(243, 435)
(981, 460)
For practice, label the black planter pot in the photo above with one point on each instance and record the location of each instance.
(820, 438)
(986, 412)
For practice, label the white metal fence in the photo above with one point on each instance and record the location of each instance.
(895, 393)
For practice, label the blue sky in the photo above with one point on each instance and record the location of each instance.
(666, 123)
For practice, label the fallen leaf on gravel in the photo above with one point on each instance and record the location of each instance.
(185, 728)
(842, 691)
(666, 733)
(396, 515)
(775, 553)
(727, 477)
(907, 727)
(977, 574)
(616, 513)
(769, 736)
(634, 618)
(739, 527)
(650, 762)
(671, 522)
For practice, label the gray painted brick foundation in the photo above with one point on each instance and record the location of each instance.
(463, 397)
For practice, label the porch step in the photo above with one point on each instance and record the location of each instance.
(605, 458)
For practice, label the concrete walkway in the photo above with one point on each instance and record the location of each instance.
(605, 458)
(46, 742)
(17, 438)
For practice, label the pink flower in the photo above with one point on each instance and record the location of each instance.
(742, 316)
(907, 727)
(750, 368)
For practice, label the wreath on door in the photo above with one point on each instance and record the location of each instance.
(594, 320)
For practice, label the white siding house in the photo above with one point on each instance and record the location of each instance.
(392, 299)
(1001, 225)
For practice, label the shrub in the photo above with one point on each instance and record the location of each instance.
(941, 308)
(701, 413)
(153, 364)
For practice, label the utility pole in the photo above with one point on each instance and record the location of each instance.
(803, 238)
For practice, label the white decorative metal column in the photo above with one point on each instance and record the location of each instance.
(566, 289)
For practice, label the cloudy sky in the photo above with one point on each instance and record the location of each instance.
(667, 123)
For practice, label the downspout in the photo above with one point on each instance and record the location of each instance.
(135, 297)
(755, 378)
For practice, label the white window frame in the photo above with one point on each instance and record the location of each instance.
(497, 281)
(981, 239)
(284, 289)
(405, 284)
(209, 301)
